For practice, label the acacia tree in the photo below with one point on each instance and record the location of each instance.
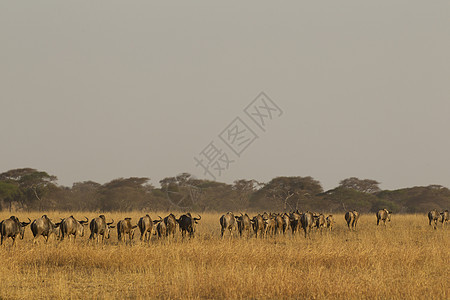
(244, 189)
(288, 193)
(8, 192)
(369, 186)
(33, 185)
(182, 191)
(125, 194)
(85, 195)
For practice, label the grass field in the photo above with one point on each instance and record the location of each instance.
(405, 260)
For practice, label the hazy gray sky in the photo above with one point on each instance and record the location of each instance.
(95, 90)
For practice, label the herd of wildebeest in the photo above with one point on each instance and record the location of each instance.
(262, 225)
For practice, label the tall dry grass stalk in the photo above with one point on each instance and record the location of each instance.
(405, 260)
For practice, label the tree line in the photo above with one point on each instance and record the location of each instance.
(31, 189)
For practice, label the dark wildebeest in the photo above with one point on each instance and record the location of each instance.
(306, 221)
(45, 227)
(99, 226)
(171, 225)
(11, 228)
(286, 222)
(187, 224)
(161, 227)
(145, 225)
(383, 215)
(295, 221)
(330, 222)
(444, 217)
(351, 217)
(125, 228)
(258, 225)
(433, 217)
(70, 226)
(227, 222)
(244, 224)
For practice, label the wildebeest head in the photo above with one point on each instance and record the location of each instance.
(108, 228)
(388, 213)
(195, 221)
(80, 229)
(22, 227)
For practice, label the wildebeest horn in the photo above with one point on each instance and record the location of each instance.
(25, 223)
(84, 222)
(198, 219)
(110, 223)
(157, 221)
(134, 226)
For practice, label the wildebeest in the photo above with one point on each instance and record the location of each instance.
(187, 224)
(227, 222)
(258, 225)
(125, 228)
(320, 222)
(99, 226)
(286, 222)
(351, 217)
(306, 221)
(70, 226)
(295, 221)
(278, 224)
(145, 225)
(11, 228)
(45, 227)
(269, 225)
(330, 222)
(383, 215)
(444, 217)
(433, 217)
(171, 225)
(244, 224)
(161, 227)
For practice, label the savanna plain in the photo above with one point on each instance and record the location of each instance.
(407, 259)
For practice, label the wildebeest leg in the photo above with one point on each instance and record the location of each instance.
(14, 240)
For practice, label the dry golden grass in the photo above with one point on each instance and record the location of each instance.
(405, 260)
